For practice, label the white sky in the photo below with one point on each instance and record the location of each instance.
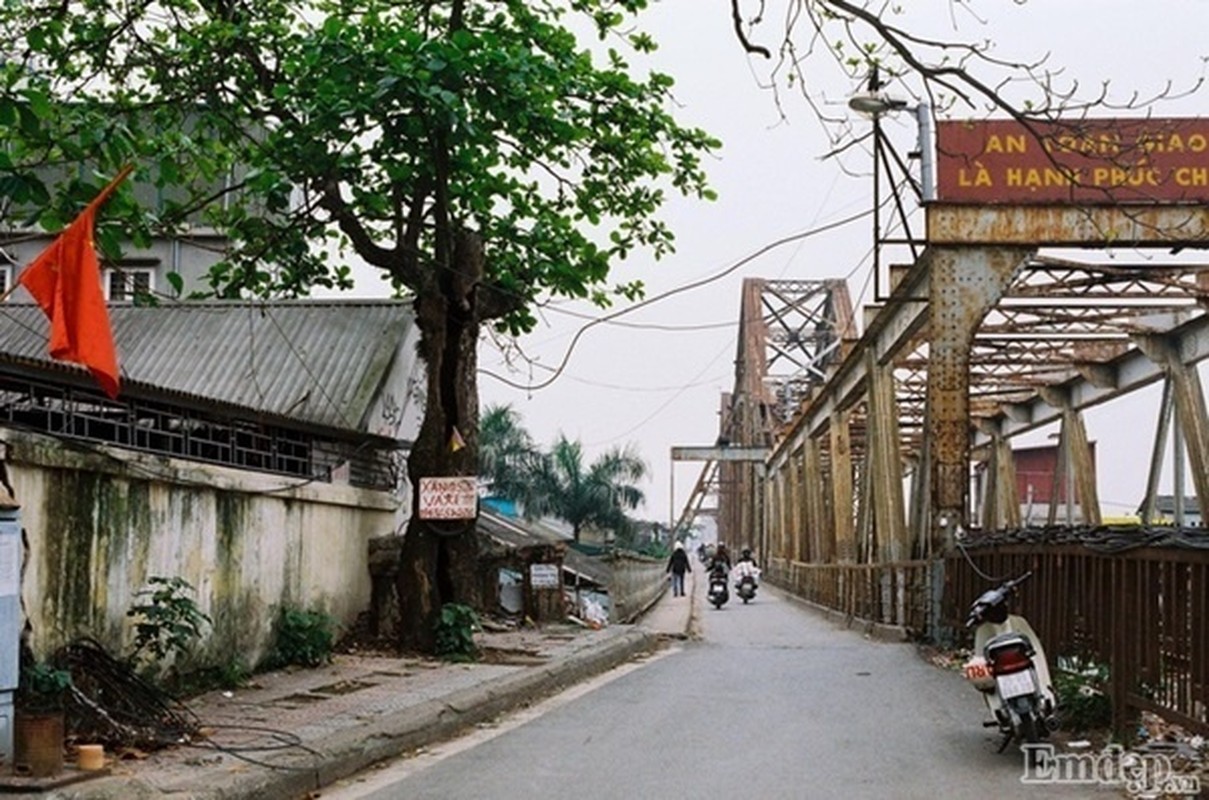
(662, 388)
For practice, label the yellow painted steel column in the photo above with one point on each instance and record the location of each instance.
(884, 470)
(841, 487)
(820, 534)
(1085, 470)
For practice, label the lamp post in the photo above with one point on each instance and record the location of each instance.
(873, 103)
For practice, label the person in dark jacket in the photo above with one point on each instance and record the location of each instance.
(721, 559)
(677, 566)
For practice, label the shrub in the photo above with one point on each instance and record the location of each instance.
(303, 638)
(1082, 702)
(455, 633)
(167, 622)
(42, 687)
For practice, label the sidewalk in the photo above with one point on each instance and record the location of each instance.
(291, 733)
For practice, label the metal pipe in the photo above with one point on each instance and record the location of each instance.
(927, 156)
(1177, 467)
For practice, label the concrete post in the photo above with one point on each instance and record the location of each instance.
(10, 624)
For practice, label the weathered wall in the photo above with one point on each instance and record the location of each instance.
(637, 582)
(100, 521)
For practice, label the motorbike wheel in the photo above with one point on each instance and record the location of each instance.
(746, 599)
(1029, 732)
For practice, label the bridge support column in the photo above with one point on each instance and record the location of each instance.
(1184, 391)
(964, 284)
(797, 545)
(1001, 499)
(884, 473)
(841, 488)
(820, 529)
(1077, 470)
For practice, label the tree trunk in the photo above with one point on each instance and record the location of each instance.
(439, 560)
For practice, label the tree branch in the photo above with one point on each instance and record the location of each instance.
(743, 40)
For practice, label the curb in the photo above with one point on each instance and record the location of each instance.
(693, 628)
(351, 750)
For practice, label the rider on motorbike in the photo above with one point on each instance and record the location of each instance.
(721, 558)
(746, 566)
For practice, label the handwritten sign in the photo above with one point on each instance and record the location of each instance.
(1098, 161)
(448, 498)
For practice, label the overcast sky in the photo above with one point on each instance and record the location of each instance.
(656, 381)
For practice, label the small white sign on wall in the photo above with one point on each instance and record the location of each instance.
(544, 576)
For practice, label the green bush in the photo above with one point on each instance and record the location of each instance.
(1083, 703)
(42, 687)
(168, 620)
(302, 638)
(455, 633)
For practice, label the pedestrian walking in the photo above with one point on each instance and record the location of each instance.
(677, 566)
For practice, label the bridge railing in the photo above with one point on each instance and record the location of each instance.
(893, 594)
(636, 582)
(1142, 612)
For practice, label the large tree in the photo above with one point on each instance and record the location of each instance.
(473, 150)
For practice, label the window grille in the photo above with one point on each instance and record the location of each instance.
(125, 284)
(167, 429)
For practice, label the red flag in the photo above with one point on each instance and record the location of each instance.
(66, 281)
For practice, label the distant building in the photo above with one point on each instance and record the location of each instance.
(1164, 508)
(189, 255)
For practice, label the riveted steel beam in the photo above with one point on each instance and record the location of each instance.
(1067, 226)
(1133, 370)
(965, 284)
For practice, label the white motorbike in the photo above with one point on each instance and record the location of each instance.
(747, 579)
(1009, 667)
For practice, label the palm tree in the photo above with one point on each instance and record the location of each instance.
(506, 451)
(559, 486)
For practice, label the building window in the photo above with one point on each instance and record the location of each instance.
(124, 284)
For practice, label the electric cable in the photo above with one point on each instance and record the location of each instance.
(678, 290)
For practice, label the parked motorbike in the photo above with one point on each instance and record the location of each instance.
(717, 594)
(1010, 669)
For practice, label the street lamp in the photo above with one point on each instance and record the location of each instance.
(875, 104)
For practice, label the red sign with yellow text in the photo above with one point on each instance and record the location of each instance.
(1096, 161)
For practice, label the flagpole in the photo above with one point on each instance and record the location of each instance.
(96, 201)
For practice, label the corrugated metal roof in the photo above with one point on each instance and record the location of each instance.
(320, 361)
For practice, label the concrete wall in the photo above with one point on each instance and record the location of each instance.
(637, 582)
(100, 521)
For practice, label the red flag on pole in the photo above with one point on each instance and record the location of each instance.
(65, 280)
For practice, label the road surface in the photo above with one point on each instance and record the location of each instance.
(773, 702)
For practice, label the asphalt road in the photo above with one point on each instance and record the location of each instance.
(774, 702)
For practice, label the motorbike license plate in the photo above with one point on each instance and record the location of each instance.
(1016, 684)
